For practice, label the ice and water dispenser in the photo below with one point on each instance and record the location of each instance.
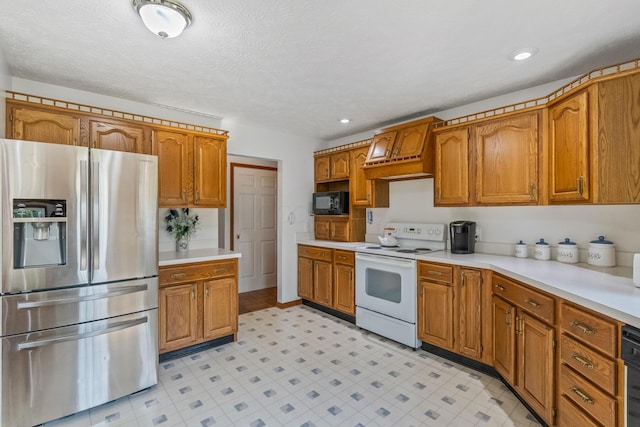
(39, 232)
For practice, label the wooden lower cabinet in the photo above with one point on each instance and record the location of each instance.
(327, 277)
(450, 308)
(198, 302)
(524, 345)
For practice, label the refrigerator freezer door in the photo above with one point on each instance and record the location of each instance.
(124, 214)
(37, 171)
(56, 372)
(34, 311)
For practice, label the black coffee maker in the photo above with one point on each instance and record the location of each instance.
(463, 237)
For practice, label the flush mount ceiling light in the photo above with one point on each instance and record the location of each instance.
(166, 18)
(345, 121)
(523, 54)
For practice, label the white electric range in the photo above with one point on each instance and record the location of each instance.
(386, 281)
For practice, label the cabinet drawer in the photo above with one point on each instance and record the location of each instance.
(344, 257)
(588, 328)
(572, 416)
(193, 272)
(599, 369)
(587, 397)
(315, 252)
(534, 302)
(435, 272)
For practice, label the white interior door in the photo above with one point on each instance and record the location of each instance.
(254, 226)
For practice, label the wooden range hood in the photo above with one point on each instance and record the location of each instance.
(402, 152)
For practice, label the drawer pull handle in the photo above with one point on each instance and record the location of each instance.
(582, 395)
(178, 275)
(219, 270)
(587, 330)
(342, 257)
(500, 287)
(533, 303)
(584, 362)
(434, 273)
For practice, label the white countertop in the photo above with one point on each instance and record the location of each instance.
(195, 255)
(609, 291)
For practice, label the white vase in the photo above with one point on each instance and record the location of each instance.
(182, 244)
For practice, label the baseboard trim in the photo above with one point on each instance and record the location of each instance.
(196, 348)
(283, 305)
(331, 311)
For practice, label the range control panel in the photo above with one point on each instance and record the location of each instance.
(418, 231)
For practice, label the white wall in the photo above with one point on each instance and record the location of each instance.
(5, 84)
(294, 155)
(501, 227)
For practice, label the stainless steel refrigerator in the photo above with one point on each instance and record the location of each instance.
(78, 298)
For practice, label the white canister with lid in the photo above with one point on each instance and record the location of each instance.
(521, 249)
(542, 250)
(602, 253)
(568, 251)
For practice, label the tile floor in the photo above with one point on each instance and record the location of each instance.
(301, 367)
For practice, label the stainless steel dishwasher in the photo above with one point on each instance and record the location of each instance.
(631, 357)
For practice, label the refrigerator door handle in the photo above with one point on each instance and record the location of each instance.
(117, 326)
(115, 293)
(95, 218)
(84, 194)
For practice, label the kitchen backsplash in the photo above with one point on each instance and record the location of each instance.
(206, 235)
(499, 228)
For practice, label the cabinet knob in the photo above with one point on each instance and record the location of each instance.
(237, 236)
(580, 185)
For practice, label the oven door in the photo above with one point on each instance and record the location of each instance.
(387, 285)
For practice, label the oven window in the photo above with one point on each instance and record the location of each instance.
(383, 285)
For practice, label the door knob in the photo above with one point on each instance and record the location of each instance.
(237, 236)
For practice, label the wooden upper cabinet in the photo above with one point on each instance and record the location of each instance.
(410, 141)
(506, 154)
(381, 147)
(210, 171)
(43, 126)
(340, 165)
(452, 168)
(118, 136)
(365, 192)
(322, 167)
(569, 177)
(332, 167)
(173, 168)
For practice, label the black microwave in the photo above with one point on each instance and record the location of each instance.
(331, 203)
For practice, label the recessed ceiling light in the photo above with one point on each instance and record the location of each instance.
(523, 54)
(345, 121)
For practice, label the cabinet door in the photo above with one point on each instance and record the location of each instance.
(173, 168)
(452, 168)
(322, 167)
(359, 185)
(43, 126)
(507, 161)
(469, 317)
(340, 165)
(118, 137)
(410, 141)
(340, 230)
(435, 314)
(178, 316)
(380, 148)
(504, 339)
(305, 278)
(344, 289)
(322, 280)
(209, 172)
(220, 307)
(569, 150)
(535, 365)
(322, 228)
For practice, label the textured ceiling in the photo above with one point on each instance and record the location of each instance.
(300, 65)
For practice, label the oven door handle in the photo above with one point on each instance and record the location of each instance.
(388, 260)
